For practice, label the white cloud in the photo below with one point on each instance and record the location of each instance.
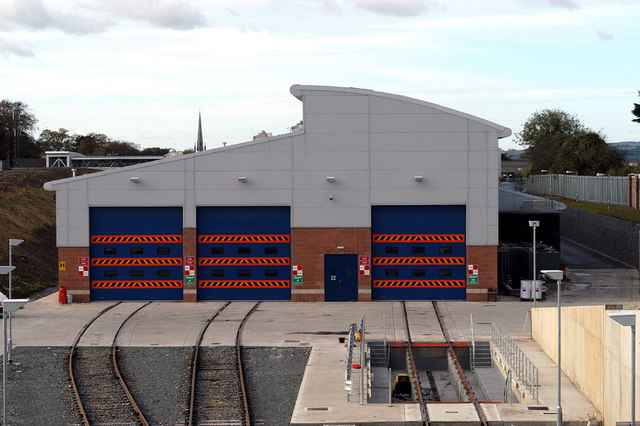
(173, 14)
(8, 48)
(604, 36)
(397, 8)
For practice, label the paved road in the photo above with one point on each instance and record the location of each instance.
(575, 256)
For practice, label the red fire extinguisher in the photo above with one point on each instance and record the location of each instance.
(63, 295)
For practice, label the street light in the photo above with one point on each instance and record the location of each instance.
(534, 224)
(628, 319)
(557, 275)
(12, 243)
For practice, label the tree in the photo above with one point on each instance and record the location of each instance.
(16, 115)
(56, 140)
(155, 150)
(636, 111)
(557, 141)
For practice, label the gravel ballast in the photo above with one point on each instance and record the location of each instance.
(39, 390)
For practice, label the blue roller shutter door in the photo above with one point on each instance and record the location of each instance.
(419, 252)
(136, 253)
(244, 253)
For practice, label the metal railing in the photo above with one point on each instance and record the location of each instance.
(612, 190)
(519, 364)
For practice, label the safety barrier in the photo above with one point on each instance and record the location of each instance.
(519, 364)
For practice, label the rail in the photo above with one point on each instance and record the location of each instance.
(461, 374)
(519, 363)
(414, 372)
(243, 385)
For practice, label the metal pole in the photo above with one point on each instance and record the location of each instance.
(4, 367)
(534, 267)
(559, 359)
(10, 297)
(633, 375)
(390, 385)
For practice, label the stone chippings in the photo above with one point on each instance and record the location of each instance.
(39, 390)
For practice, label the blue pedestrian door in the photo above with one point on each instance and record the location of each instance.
(340, 277)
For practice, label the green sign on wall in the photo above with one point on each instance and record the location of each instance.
(190, 280)
(473, 279)
(297, 280)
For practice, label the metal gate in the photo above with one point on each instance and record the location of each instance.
(136, 253)
(244, 253)
(418, 252)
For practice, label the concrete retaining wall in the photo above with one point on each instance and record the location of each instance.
(456, 381)
(596, 355)
(613, 237)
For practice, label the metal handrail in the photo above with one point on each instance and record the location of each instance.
(473, 346)
(524, 369)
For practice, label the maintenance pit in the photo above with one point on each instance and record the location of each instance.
(439, 380)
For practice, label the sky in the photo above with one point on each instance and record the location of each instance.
(141, 70)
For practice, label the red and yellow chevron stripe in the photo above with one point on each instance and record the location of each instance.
(244, 238)
(419, 283)
(243, 261)
(136, 284)
(418, 260)
(98, 239)
(151, 261)
(418, 238)
(244, 284)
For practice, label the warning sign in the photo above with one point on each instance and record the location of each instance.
(62, 266)
(472, 271)
(296, 274)
(365, 265)
(189, 266)
(83, 266)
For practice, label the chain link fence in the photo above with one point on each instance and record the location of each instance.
(613, 190)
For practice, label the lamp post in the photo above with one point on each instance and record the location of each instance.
(628, 319)
(12, 243)
(557, 275)
(534, 224)
(8, 305)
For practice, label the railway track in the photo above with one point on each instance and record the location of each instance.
(100, 391)
(465, 383)
(415, 379)
(217, 391)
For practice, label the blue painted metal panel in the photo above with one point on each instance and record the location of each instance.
(244, 253)
(340, 277)
(136, 253)
(418, 252)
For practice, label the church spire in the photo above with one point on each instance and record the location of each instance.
(200, 143)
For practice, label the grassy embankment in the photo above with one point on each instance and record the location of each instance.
(28, 212)
(621, 212)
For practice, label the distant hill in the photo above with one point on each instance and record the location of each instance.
(630, 149)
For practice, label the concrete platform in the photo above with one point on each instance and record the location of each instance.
(322, 398)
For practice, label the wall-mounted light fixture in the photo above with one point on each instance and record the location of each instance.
(242, 179)
(418, 178)
(340, 247)
(331, 179)
(135, 179)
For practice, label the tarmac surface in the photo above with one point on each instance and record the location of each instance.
(322, 398)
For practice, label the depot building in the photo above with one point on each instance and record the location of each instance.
(374, 197)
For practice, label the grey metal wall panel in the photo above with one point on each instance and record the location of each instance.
(436, 196)
(333, 217)
(330, 161)
(440, 160)
(256, 179)
(341, 198)
(417, 123)
(344, 179)
(243, 198)
(396, 106)
(404, 179)
(149, 180)
(135, 198)
(340, 104)
(419, 142)
(335, 142)
(336, 123)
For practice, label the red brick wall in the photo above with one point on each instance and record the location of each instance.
(486, 257)
(75, 284)
(308, 247)
(189, 248)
